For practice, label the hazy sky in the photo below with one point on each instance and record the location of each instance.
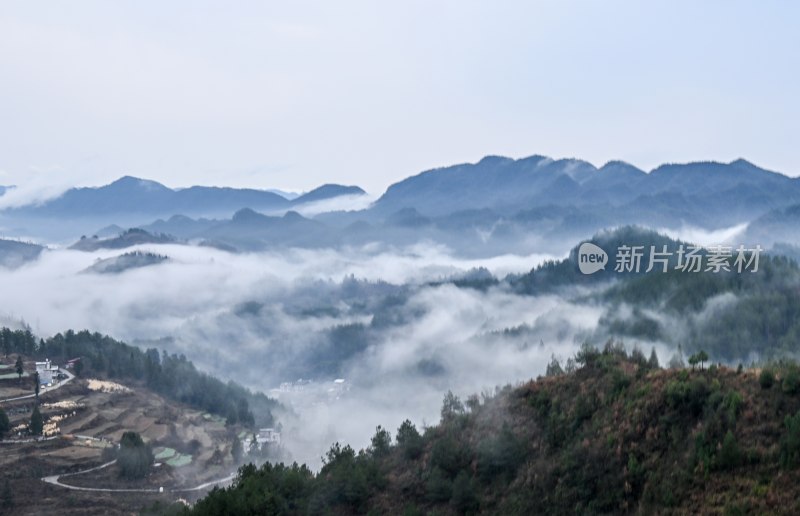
(294, 94)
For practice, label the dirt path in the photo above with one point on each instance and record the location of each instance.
(54, 480)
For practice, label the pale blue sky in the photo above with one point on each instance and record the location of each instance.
(294, 94)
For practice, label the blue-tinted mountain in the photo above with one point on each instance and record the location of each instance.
(131, 196)
(14, 254)
(327, 191)
(250, 230)
(128, 238)
(182, 226)
(127, 261)
(779, 225)
(703, 193)
(134, 196)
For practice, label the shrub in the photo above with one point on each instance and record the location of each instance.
(438, 488)
(449, 455)
(766, 378)
(499, 457)
(791, 381)
(790, 443)
(464, 499)
(729, 455)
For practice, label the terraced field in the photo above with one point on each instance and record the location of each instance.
(191, 447)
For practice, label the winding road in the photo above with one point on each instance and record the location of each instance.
(68, 379)
(54, 480)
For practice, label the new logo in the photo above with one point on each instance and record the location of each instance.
(591, 258)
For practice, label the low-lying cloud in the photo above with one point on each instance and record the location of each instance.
(255, 317)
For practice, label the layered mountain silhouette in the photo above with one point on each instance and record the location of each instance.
(496, 205)
(739, 188)
(131, 195)
(15, 254)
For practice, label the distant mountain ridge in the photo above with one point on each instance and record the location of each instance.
(497, 205)
(507, 185)
(135, 196)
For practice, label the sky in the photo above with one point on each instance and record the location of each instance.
(292, 95)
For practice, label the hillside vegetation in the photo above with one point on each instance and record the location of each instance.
(172, 376)
(616, 434)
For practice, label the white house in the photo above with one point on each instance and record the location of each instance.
(268, 435)
(48, 373)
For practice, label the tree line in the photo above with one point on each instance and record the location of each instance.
(171, 375)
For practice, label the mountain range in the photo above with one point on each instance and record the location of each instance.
(496, 205)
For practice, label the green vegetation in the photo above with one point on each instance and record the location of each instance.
(767, 378)
(18, 367)
(37, 423)
(172, 376)
(180, 460)
(617, 435)
(730, 315)
(164, 454)
(134, 457)
(5, 425)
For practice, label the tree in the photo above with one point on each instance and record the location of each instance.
(409, 440)
(698, 358)
(5, 425)
(381, 442)
(78, 367)
(637, 356)
(554, 368)
(791, 381)
(5, 336)
(652, 362)
(134, 457)
(438, 487)
(36, 384)
(451, 407)
(237, 451)
(19, 367)
(702, 357)
(587, 355)
(37, 423)
(253, 448)
(463, 498)
(766, 378)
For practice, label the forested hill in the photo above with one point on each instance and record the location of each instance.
(172, 376)
(615, 435)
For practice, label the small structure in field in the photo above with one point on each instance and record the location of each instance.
(48, 373)
(268, 435)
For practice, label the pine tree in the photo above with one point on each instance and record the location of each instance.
(37, 423)
(19, 367)
(652, 362)
(5, 425)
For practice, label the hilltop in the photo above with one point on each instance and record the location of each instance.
(608, 432)
(191, 423)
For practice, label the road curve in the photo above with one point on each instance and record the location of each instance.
(54, 480)
(44, 391)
